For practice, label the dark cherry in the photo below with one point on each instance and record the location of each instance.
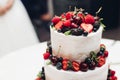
(54, 60)
(102, 49)
(92, 65)
(100, 53)
(88, 60)
(96, 25)
(73, 25)
(83, 67)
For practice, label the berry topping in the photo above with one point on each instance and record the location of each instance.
(92, 65)
(60, 59)
(59, 25)
(112, 73)
(75, 66)
(65, 64)
(46, 55)
(54, 60)
(89, 19)
(56, 19)
(85, 33)
(81, 16)
(59, 65)
(83, 67)
(73, 25)
(76, 31)
(87, 27)
(69, 15)
(101, 61)
(67, 23)
(106, 54)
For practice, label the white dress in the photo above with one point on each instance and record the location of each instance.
(16, 30)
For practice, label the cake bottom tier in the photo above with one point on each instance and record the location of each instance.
(51, 73)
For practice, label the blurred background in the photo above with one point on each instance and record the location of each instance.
(41, 12)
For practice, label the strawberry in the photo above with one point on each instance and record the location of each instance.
(46, 55)
(67, 23)
(38, 78)
(56, 19)
(76, 66)
(81, 16)
(112, 73)
(89, 19)
(106, 54)
(65, 64)
(87, 27)
(101, 61)
(59, 25)
(69, 15)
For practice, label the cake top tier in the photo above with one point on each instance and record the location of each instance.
(77, 23)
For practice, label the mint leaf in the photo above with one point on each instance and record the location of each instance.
(67, 32)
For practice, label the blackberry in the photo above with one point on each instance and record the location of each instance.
(85, 33)
(59, 65)
(76, 31)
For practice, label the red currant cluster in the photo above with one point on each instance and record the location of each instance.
(91, 62)
(76, 23)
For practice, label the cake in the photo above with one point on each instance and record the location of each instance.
(75, 51)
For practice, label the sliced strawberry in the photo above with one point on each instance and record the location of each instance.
(67, 23)
(81, 16)
(106, 54)
(38, 78)
(89, 19)
(87, 27)
(59, 25)
(76, 66)
(46, 55)
(101, 61)
(56, 19)
(65, 64)
(69, 15)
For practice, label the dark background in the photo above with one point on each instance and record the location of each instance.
(110, 12)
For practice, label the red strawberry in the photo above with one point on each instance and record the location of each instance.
(89, 19)
(59, 25)
(106, 54)
(101, 61)
(65, 64)
(69, 15)
(56, 19)
(112, 73)
(46, 55)
(81, 16)
(38, 78)
(76, 66)
(87, 27)
(67, 23)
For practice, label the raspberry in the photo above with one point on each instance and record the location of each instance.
(46, 55)
(56, 19)
(69, 15)
(89, 19)
(67, 23)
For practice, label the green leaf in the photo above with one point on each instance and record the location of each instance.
(67, 32)
(39, 74)
(48, 62)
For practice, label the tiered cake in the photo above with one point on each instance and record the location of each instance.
(76, 52)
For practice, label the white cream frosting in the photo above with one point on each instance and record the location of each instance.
(52, 73)
(75, 48)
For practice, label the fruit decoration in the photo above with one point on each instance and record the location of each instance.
(77, 22)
